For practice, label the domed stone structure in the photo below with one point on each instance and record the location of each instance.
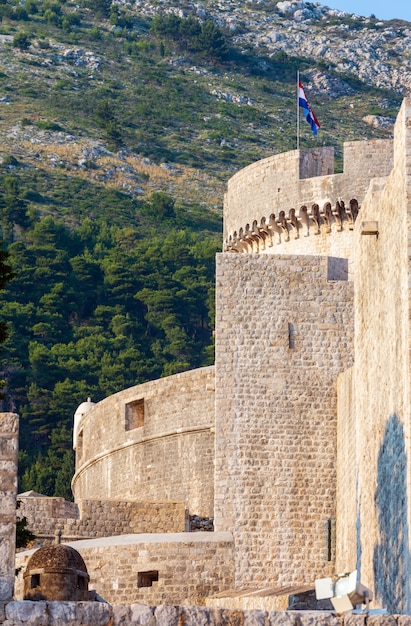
(81, 410)
(56, 572)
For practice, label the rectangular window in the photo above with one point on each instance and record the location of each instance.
(34, 581)
(134, 414)
(330, 539)
(146, 579)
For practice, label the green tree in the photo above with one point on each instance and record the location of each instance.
(22, 41)
(212, 41)
(23, 534)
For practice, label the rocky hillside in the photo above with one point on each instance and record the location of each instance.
(123, 94)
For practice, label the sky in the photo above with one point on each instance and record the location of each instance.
(383, 9)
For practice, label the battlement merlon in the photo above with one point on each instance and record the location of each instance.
(303, 177)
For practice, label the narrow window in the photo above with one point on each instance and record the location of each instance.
(134, 417)
(330, 539)
(291, 339)
(80, 444)
(34, 581)
(146, 579)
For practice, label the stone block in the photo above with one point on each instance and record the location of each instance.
(62, 613)
(26, 612)
(93, 613)
(197, 616)
(167, 615)
(141, 615)
(256, 618)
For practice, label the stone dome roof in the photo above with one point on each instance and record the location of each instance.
(56, 556)
(83, 408)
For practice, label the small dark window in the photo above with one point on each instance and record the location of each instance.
(330, 539)
(146, 579)
(134, 417)
(81, 583)
(291, 336)
(34, 581)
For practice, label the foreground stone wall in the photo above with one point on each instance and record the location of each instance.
(174, 568)
(382, 381)
(167, 454)
(9, 432)
(95, 614)
(98, 518)
(283, 334)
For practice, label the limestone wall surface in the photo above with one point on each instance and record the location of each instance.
(382, 381)
(186, 567)
(348, 455)
(283, 334)
(302, 177)
(9, 432)
(153, 442)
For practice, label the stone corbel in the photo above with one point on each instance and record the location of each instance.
(352, 213)
(315, 217)
(339, 214)
(243, 241)
(233, 244)
(257, 235)
(294, 223)
(327, 216)
(274, 227)
(304, 219)
(265, 232)
(251, 237)
(283, 224)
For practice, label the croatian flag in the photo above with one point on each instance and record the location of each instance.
(308, 112)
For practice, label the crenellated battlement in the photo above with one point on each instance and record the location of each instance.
(309, 221)
(291, 196)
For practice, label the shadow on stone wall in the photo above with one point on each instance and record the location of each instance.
(391, 554)
(358, 529)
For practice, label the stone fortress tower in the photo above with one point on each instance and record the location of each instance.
(297, 442)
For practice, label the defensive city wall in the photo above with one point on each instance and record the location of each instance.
(298, 442)
(120, 442)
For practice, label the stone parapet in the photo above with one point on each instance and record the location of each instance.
(9, 431)
(99, 518)
(100, 614)
(172, 568)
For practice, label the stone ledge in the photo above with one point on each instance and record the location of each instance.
(46, 613)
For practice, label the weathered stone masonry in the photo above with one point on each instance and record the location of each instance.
(304, 425)
(284, 334)
(9, 429)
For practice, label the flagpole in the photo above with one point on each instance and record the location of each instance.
(298, 111)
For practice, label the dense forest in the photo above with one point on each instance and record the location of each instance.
(95, 307)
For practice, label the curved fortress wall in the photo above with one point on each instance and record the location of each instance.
(289, 203)
(153, 442)
(284, 333)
